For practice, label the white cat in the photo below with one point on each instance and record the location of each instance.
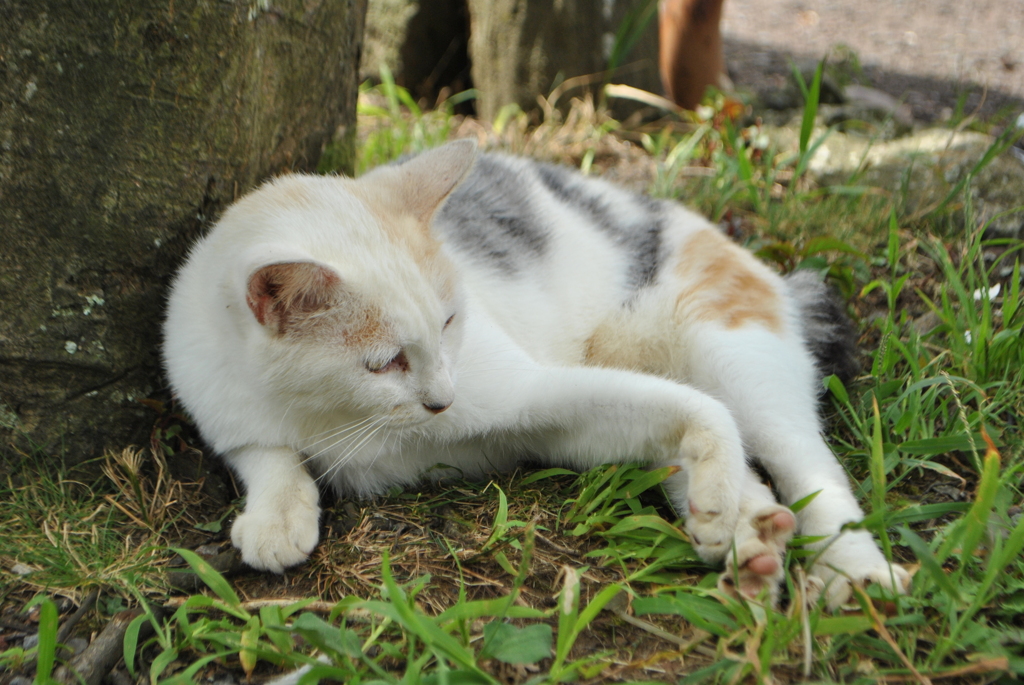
(369, 329)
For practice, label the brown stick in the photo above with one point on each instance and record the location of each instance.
(999, 663)
(319, 607)
(102, 654)
(69, 625)
(227, 563)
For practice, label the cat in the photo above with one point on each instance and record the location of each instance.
(472, 310)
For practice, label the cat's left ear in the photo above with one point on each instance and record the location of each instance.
(286, 293)
(426, 180)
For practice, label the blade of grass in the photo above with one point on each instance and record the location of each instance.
(1000, 145)
(500, 526)
(977, 518)
(214, 580)
(47, 646)
(422, 626)
(801, 503)
(969, 530)
(929, 563)
(811, 98)
(633, 25)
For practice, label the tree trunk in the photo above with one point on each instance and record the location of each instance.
(639, 66)
(125, 126)
(523, 48)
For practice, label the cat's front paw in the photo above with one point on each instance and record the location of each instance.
(855, 558)
(281, 531)
(756, 564)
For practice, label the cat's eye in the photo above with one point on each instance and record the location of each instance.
(397, 363)
(449, 321)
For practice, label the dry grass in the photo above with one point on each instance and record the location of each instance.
(442, 532)
(152, 502)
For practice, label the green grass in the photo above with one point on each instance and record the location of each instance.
(70, 534)
(549, 576)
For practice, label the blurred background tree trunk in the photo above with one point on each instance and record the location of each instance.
(524, 48)
(125, 126)
(511, 51)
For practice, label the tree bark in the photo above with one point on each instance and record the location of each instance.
(522, 48)
(125, 126)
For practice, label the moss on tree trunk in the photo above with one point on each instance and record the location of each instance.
(125, 126)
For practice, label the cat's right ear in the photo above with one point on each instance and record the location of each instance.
(424, 182)
(285, 294)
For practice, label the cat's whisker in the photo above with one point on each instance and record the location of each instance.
(335, 429)
(368, 428)
(339, 440)
(285, 414)
(358, 434)
(353, 450)
(367, 438)
(342, 430)
(380, 449)
(355, 434)
(338, 437)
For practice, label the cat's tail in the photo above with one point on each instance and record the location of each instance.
(828, 332)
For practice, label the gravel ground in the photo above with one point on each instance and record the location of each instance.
(925, 51)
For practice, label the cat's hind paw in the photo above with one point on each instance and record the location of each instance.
(755, 566)
(272, 538)
(838, 587)
(854, 557)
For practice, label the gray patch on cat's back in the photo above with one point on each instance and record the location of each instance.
(490, 217)
(640, 235)
(828, 332)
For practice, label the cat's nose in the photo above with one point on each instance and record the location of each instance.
(436, 408)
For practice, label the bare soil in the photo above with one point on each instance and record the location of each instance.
(926, 51)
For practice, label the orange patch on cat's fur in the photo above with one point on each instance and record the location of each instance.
(417, 240)
(614, 344)
(292, 190)
(722, 283)
(365, 327)
(413, 236)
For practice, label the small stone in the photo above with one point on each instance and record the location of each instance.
(208, 550)
(952, 492)
(20, 569)
(224, 679)
(119, 677)
(922, 167)
(926, 323)
(880, 101)
(30, 641)
(782, 99)
(77, 645)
